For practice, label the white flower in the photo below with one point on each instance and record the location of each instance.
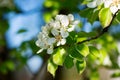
(55, 32)
(64, 33)
(114, 5)
(94, 3)
(63, 20)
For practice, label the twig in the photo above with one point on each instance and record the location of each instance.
(101, 33)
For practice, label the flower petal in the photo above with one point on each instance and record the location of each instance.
(64, 33)
(113, 9)
(40, 51)
(71, 17)
(58, 43)
(92, 4)
(63, 41)
(55, 32)
(51, 41)
(50, 50)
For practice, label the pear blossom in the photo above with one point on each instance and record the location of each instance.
(114, 5)
(55, 32)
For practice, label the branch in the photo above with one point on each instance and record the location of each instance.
(102, 32)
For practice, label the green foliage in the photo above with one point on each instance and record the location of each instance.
(80, 66)
(83, 49)
(7, 66)
(116, 74)
(59, 56)
(68, 62)
(75, 54)
(90, 14)
(52, 67)
(94, 51)
(105, 16)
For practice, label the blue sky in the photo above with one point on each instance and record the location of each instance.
(30, 20)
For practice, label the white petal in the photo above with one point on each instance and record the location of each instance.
(39, 35)
(51, 41)
(40, 51)
(107, 3)
(72, 27)
(63, 41)
(55, 32)
(58, 43)
(92, 4)
(55, 24)
(37, 43)
(64, 33)
(99, 2)
(50, 50)
(64, 21)
(71, 17)
(76, 22)
(113, 9)
(118, 6)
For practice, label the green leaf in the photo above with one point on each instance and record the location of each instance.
(105, 16)
(81, 65)
(52, 67)
(68, 62)
(59, 56)
(75, 54)
(116, 20)
(86, 12)
(10, 65)
(90, 14)
(94, 51)
(22, 31)
(115, 75)
(83, 49)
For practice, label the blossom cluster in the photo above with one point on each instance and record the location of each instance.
(55, 32)
(114, 5)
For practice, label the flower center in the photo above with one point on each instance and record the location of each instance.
(58, 37)
(115, 2)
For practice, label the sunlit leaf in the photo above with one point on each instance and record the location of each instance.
(52, 67)
(81, 65)
(105, 16)
(116, 74)
(68, 62)
(75, 54)
(59, 56)
(116, 19)
(83, 49)
(94, 51)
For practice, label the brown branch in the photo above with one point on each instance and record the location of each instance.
(102, 32)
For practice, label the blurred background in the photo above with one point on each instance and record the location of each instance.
(20, 22)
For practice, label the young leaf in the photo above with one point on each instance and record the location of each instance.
(81, 65)
(83, 49)
(59, 56)
(51, 67)
(105, 16)
(68, 62)
(76, 55)
(94, 51)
